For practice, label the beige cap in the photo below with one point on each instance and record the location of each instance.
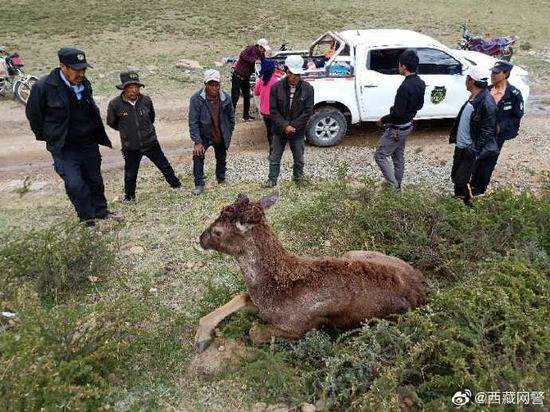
(211, 75)
(264, 43)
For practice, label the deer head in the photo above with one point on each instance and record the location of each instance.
(229, 232)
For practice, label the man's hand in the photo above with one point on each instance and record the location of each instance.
(198, 149)
(290, 130)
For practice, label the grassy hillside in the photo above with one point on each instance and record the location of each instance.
(154, 35)
(106, 319)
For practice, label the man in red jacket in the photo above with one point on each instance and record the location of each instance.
(245, 66)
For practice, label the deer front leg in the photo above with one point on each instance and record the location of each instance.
(207, 323)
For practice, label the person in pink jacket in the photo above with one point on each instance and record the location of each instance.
(262, 90)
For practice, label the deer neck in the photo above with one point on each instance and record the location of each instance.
(263, 257)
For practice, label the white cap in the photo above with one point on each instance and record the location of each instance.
(264, 44)
(210, 75)
(295, 64)
(477, 74)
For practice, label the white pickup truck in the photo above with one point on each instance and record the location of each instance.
(355, 77)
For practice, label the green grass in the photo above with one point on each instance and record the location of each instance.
(116, 342)
(154, 35)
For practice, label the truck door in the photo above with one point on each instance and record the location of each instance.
(377, 80)
(445, 83)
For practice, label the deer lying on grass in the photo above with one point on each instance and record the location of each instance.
(294, 294)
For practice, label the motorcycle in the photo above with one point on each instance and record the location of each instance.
(498, 47)
(13, 81)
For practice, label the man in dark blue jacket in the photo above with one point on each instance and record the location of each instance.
(509, 113)
(211, 123)
(62, 112)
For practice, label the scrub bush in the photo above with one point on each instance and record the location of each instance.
(484, 328)
(57, 260)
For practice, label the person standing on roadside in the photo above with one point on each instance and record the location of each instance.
(262, 89)
(211, 123)
(133, 115)
(290, 106)
(473, 133)
(509, 113)
(245, 66)
(62, 112)
(409, 99)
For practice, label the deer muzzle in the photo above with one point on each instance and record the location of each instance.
(204, 239)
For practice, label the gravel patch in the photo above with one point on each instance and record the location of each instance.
(520, 166)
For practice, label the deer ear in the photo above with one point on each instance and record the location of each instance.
(243, 228)
(242, 198)
(267, 201)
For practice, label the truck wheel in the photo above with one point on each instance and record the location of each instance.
(327, 127)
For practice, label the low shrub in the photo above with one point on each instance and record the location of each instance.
(56, 260)
(484, 328)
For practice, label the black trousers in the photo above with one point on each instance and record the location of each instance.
(481, 177)
(80, 168)
(132, 160)
(239, 85)
(461, 173)
(269, 130)
(220, 152)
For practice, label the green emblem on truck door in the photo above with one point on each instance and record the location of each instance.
(438, 94)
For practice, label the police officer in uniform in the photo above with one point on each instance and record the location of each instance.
(509, 113)
(62, 112)
(398, 123)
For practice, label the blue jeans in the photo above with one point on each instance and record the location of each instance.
(80, 169)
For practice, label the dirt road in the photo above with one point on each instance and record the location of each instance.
(21, 155)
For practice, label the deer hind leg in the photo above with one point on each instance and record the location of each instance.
(260, 333)
(207, 323)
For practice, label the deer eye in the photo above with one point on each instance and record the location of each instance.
(217, 232)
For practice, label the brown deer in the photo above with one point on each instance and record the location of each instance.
(294, 294)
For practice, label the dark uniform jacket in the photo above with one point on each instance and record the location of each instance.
(48, 112)
(409, 99)
(134, 122)
(509, 114)
(296, 116)
(200, 119)
(483, 126)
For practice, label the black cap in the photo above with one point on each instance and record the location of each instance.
(501, 66)
(127, 78)
(74, 58)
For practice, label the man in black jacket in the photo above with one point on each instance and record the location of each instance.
(133, 115)
(473, 133)
(509, 113)
(62, 112)
(291, 105)
(409, 99)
